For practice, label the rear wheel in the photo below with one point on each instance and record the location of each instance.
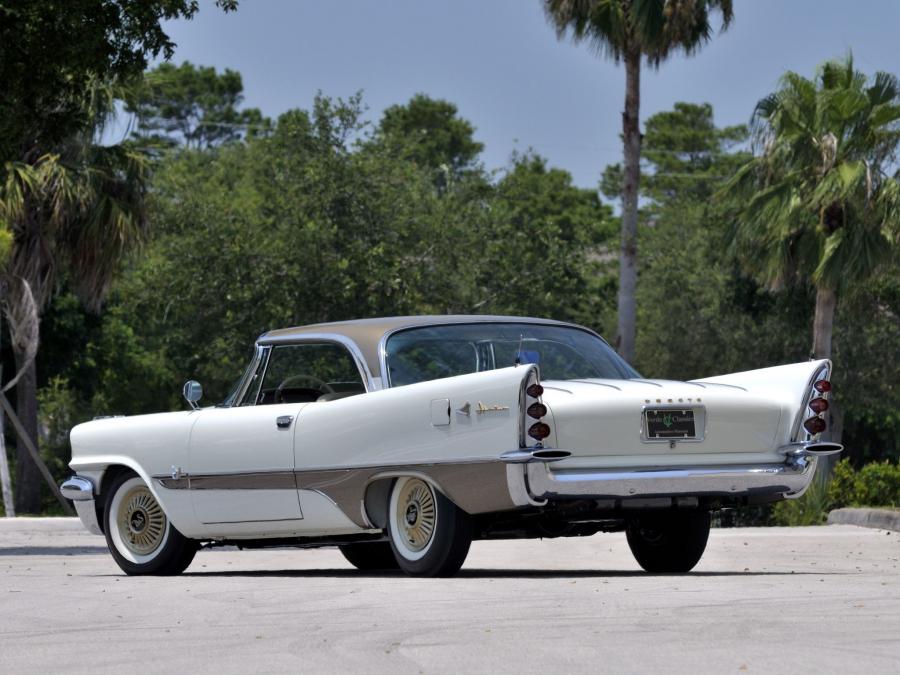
(670, 542)
(429, 534)
(370, 557)
(138, 533)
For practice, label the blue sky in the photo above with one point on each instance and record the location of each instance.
(501, 63)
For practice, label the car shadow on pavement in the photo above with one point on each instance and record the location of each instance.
(52, 550)
(476, 573)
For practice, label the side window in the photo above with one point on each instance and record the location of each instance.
(307, 372)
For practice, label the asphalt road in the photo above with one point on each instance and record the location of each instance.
(824, 600)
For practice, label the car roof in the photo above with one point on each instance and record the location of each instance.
(366, 334)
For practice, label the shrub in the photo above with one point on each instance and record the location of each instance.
(876, 484)
(810, 509)
(842, 487)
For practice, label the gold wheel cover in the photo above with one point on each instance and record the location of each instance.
(416, 515)
(141, 521)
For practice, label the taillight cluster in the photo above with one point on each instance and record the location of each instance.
(536, 410)
(818, 405)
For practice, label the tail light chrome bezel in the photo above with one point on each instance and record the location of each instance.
(527, 400)
(814, 390)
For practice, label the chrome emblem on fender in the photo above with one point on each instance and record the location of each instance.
(482, 408)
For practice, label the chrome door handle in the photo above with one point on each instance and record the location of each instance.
(284, 421)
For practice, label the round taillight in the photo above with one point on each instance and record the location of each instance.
(814, 425)
(539, 431)
(818, 405)
(537, 410)
(534, 390)
(822, 386)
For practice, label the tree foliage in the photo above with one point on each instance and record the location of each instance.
(819, 199)
(654, 29)
(192, 105)
(430, 133)
(51, 51)
(629, 31)
(328, 217)
(324, 220)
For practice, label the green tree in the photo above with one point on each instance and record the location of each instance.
(688, 157)
(629, 30)
(78, 210)
(817, 202)
(62, 195)
(322, 220)
(689, 277)
(547, 245)
(50, 52)
(192, 105)
(430, 132)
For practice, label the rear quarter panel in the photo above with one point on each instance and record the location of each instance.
(398, 426)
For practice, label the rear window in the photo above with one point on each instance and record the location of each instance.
(561, 352)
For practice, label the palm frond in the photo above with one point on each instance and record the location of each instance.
(816, 197)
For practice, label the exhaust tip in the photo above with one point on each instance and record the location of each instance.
(550, 455)
(536, 455)
(824, 448)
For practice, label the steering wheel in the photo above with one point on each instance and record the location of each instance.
(321, 385)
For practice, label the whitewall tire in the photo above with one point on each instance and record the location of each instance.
(429, 534)
(139, 535)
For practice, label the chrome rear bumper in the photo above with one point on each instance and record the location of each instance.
(81, 491)
(536, 482)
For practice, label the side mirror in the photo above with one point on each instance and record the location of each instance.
(192, 392)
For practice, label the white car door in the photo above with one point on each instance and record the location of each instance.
(241, 467)
(242, 464)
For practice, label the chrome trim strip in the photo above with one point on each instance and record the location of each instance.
(241, 390)
(247, 480)
(237, 522)
(476, 486)
(655, 384)
(810, 394)
(785, 479)
(717, 384)
(596, 384)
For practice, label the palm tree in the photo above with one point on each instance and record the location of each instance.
(816, 202)
(77, 210)
(627, 30)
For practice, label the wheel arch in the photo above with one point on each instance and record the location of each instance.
(378, 493)
(104, 470)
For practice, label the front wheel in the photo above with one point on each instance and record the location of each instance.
(429, 534)
(138, 534)
(670, 542)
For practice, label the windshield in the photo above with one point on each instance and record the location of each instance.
(561, 352)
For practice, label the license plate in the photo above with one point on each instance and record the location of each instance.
(670, 423)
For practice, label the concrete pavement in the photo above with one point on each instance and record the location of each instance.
(823, 599)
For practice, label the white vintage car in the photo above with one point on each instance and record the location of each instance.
(401, 440)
